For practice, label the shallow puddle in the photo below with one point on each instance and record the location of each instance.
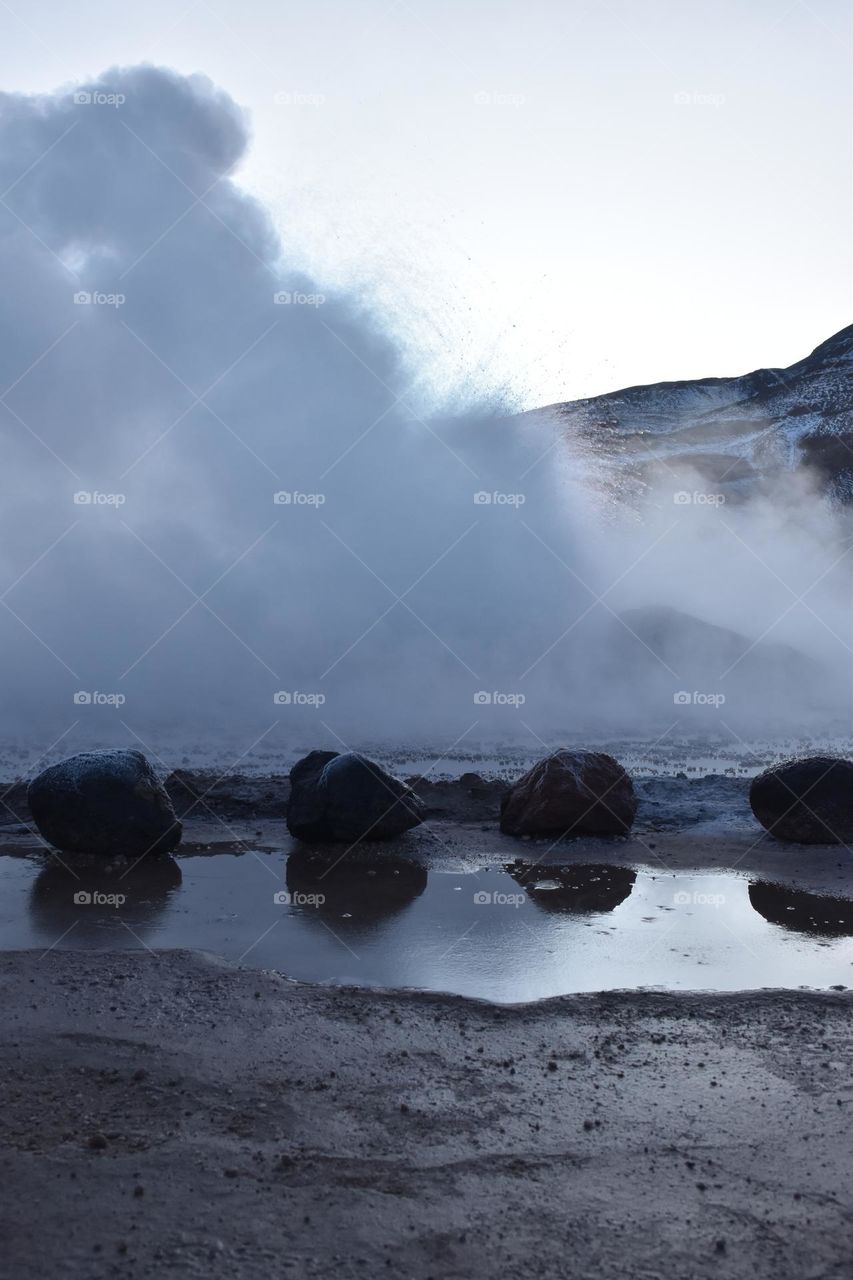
(504, 934)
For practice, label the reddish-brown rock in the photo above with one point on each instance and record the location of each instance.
(571, 793)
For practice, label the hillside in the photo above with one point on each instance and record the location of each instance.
(735, 430)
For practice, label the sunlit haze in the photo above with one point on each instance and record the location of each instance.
(561, 199)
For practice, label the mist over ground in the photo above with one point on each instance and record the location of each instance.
(228, 510)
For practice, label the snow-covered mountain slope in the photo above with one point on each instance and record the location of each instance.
(732, 431)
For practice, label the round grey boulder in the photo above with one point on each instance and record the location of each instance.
(104, 802)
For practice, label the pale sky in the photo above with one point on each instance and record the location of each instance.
(565, 197)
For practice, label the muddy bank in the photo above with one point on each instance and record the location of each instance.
(165, 1114)
(664, 802)
(682, 824)
(196, 792)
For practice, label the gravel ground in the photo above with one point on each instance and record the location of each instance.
(170, 1115)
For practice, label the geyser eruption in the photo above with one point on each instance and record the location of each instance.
(224, 510)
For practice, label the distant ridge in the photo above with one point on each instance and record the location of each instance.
(732, 430)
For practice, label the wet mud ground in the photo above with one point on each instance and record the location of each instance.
(166, 1112)
(170, 1115)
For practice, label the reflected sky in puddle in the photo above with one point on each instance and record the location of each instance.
(504, 934)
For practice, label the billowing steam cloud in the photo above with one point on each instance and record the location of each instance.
(221, 506)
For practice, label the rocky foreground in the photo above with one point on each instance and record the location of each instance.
(164, 1113)
(167, 1115)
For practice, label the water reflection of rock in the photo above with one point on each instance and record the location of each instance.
(588, 887)
(81, 900)
(805, 912)
(358, 890)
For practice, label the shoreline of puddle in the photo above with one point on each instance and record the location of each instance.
(507, 932)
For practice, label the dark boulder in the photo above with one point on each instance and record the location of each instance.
(808, 801)
(346, 797)
(104, 802)
(571, 793)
